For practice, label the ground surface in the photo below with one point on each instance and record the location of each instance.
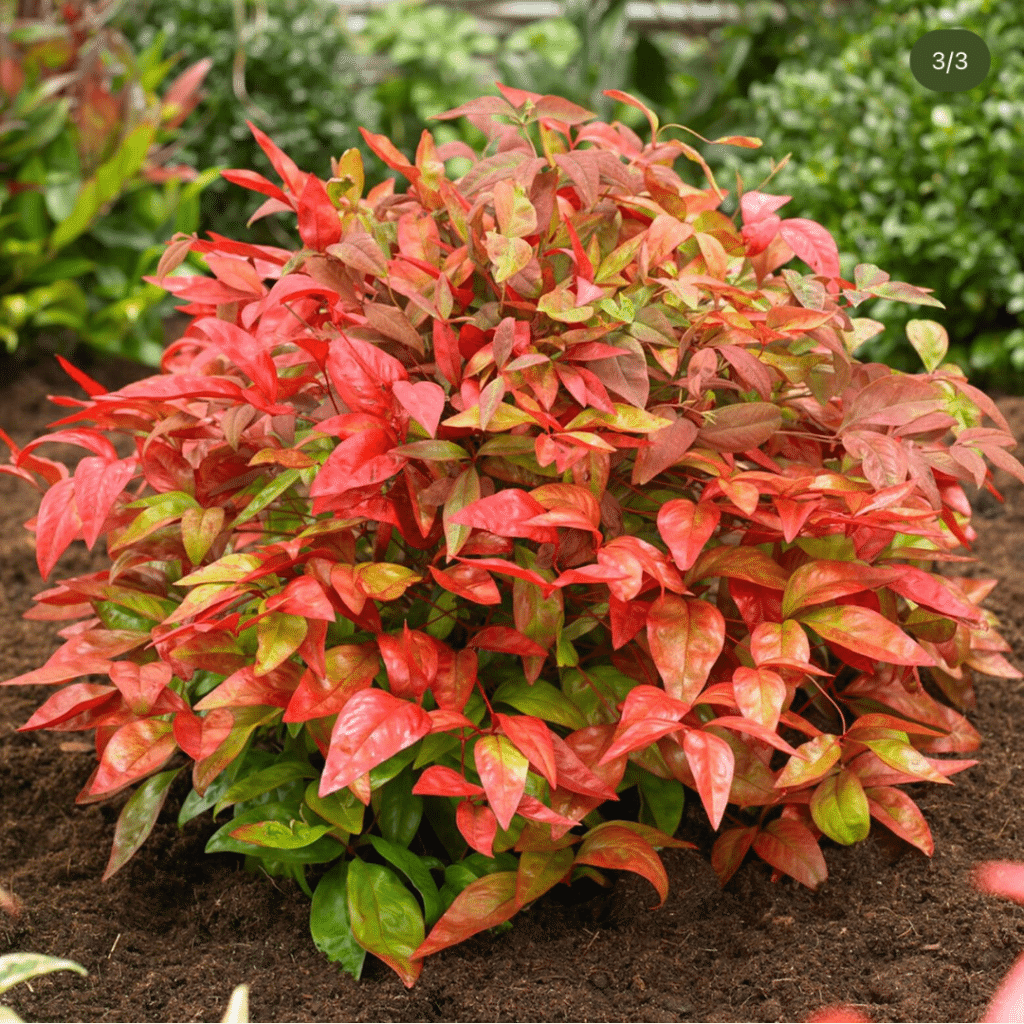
(166, 939)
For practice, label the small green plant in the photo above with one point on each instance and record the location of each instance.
(87, 198)
(18, 967)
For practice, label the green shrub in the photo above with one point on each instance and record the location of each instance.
(926, 184)
(87, 201)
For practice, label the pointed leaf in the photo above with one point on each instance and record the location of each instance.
(539, 871)
(866, 632)
(791, 848)
(478, 826)
(614, 846)
(712, 763)
(424, 401)
(686, 528)
(814, 759)
(898, 813)
(502, 769)
(137, 818)
(372, 727)
(485, 903)
(840, 808)
(686, 637)
(385, 917)
(329, 921)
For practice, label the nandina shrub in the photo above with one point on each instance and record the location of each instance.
(501, 497)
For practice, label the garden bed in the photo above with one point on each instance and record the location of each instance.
(901, 936)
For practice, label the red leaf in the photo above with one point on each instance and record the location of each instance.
(82, 379)
(478, 826)
(103, 481)
(866, 633)
(791, 848)
(502, 770)
(813, 244)
(843, 1013)
(283, 164)
(199, 736)
(424, 401)
(648, 713)
(729, 850)
(1002, 878)
(456, 677)
(256, 183)
(446, 352)
(613, 845)
(319, 223)
(66, 703)
(57, 525)
(506, 640)
(712, 762)
(760, 694)
(505, 514)
(372, 727)
(738, 428)
(758, 206)
(136, 750)
(438, 780)
(482, 904)
(502, 565)
(350, 669)
(384, 148)
(686, 636)
(894, 809)
(531, 737)
(575, 776)
(686, 528)
(468, 581)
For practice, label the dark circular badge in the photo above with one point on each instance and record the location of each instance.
(950, 60)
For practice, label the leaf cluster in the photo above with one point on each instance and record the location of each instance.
(503, 496)
(87, 194)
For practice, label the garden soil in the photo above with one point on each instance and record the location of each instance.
(899, 935)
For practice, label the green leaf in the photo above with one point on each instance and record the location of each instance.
(265, 781)
(264, 497)
(329, 922)
(18, 967)
(664, 800)
(839, 808)
(279, 635)
(386, 919)
(322, 851)
(437, 451)
(415, 869)
(279, 836)
(341, 808)
(541, 700)
(400, 811)
(87, 205)
(137, 818)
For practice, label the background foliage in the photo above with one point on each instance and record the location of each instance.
(925, 184)
(87, 199)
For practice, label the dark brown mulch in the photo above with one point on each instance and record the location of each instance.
(901, 936)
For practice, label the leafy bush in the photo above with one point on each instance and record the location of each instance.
(500, 498)
(87, 201)
(925, 184)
